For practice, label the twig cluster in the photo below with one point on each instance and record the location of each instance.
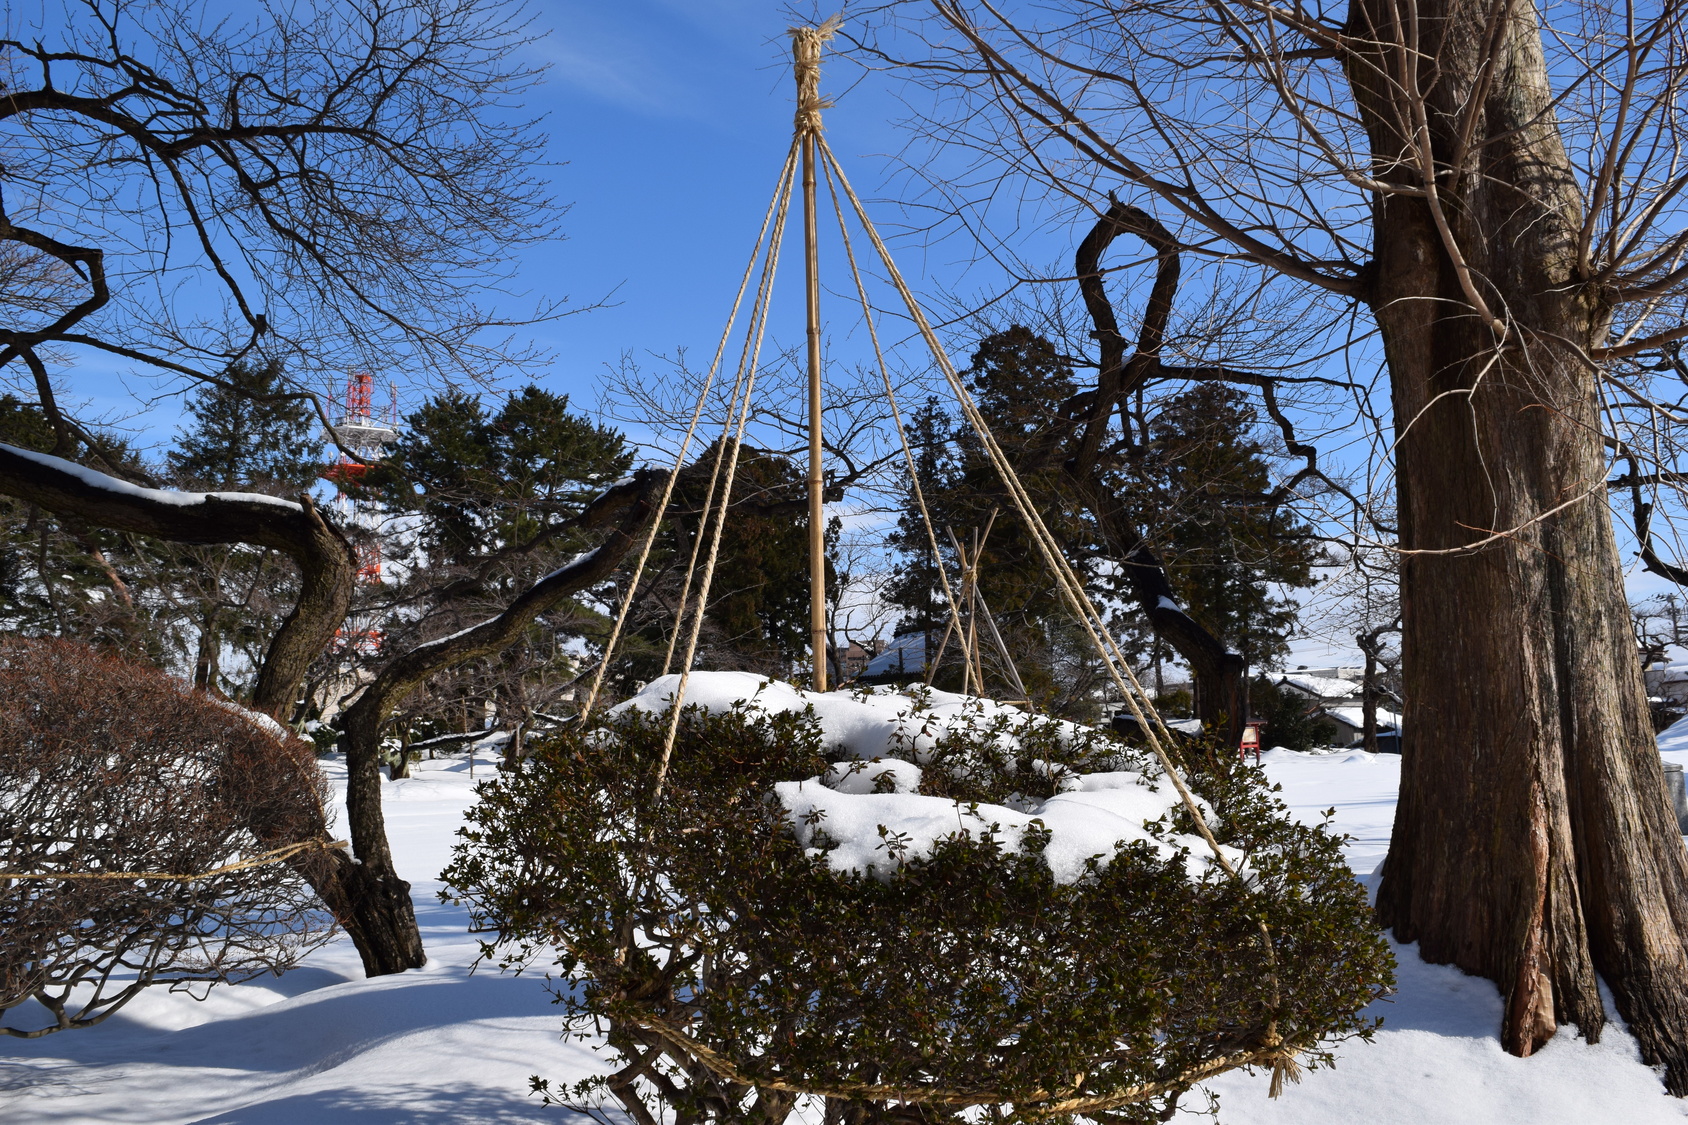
(110, 768)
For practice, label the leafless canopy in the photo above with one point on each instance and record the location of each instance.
(1236, 122)
(1237, 118)
(334, 185)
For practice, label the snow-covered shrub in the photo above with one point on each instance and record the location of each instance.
(737, 966)
(111, 767)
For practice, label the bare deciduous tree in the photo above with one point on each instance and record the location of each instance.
(1496, 188)
(1362, 601)
(312, 184)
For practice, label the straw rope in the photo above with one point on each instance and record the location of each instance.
(712, 491)
(896, 416)
(1072, 592)
(807, 44)
(782, 199)
(685, 446)
(749, 362)
(1056, 1103)
(1284, 1065)
(684, 603)
(943, 646)
(274, 855)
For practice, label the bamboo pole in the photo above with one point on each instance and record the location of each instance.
(966, 611)
(973, 616)
(1001, 648)
(806, 52)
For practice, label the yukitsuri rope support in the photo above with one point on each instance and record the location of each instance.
(262, 859)
(896, 417)
(748, 364)
(1272, 1049)
(1282, 1055)
(806, 44)
(680, 458)
(782, 200)
(1072, 593)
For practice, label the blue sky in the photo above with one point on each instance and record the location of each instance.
(667, 123)
(673, 120)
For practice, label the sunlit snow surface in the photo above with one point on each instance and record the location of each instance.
(442, 1045)
(863, 724)
(885, 728)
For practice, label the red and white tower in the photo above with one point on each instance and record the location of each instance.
(361, 435)
(360, 431)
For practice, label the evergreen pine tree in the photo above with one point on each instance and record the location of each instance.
(1019, 381)
(1016, 378)
(1195, 484)
(484, 497)
(244, 435)
(914, 586)
(1198, 492)
(758, 615)
(61, 577)
(482, 480)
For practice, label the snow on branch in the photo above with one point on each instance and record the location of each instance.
(93, 478)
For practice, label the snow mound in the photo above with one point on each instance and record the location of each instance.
(867, 826)
(1674, 738)
(863, 723)
(447, 1043)
(872, 833)
(863, 776)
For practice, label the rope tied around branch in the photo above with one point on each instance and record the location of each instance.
(262, 859)
(1283, 1060)
(1031, 1104)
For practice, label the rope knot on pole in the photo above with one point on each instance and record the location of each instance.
(806, 44)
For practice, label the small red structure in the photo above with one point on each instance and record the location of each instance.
(365, 641)
(369, 562)
(1251, 740)
(343, 472)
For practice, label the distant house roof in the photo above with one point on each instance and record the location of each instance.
(1355, 717)
(1126, 723)
(1668, 673)
(1316, 687)
(904, 656)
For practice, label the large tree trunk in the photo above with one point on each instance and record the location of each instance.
(1532, 843)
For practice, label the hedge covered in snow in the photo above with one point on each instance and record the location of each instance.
(894, 902)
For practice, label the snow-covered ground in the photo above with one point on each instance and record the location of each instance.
(443, 1044)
